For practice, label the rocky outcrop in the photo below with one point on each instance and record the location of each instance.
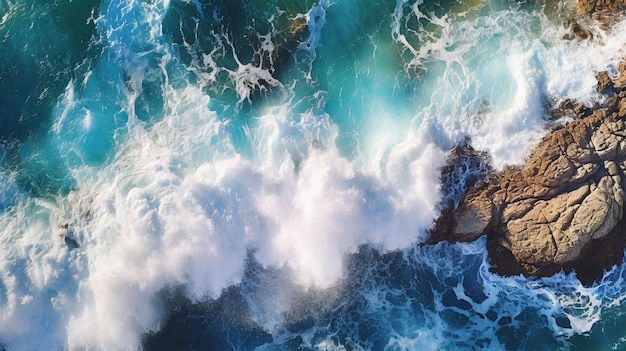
(594, 6)
(562, 210)
(604, 12)
(577, 31)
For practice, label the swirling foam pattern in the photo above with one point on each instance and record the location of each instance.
(261, 175)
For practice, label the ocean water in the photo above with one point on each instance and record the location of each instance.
(262, 175)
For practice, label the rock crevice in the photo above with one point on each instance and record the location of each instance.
(547, 215)
(563, 209)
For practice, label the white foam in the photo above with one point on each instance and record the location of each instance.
(159, 222)
(316, 18)
(249, 78)
(189, 212)
(176, 205)
(36, 283)
(503, 63)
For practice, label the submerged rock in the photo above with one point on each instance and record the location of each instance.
(71, 242)
(67, 236)
(562, 210)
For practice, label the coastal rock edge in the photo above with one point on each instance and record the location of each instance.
(564, 209)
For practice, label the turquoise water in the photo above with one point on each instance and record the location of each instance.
(217, 175)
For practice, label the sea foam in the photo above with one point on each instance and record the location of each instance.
(158, 195)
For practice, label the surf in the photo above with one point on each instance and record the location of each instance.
(263, 175)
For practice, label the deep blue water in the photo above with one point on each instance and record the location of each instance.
(262, 175)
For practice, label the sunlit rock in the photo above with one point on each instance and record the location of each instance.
(563, 209)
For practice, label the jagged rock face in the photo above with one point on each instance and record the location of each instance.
(563, 210)
(592, 6)
(569, 193)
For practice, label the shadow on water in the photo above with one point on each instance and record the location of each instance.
(412, 299)
(221, 324)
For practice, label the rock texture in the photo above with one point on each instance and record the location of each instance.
(602, 11)
(562, 210)
(594, 6)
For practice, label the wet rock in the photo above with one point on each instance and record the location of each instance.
(593, 6)
(465, 168)
(604, 13)
(66, 234)
(604, 20)
(578, 31)
(568, 108)
(562, 210)
(587, 6)
(620, 81)
(605, 84)
(71, 242)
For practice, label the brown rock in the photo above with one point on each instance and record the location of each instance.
(593, 6)
(563, 210)
(473, 216)
(604, 82)
(587, 6)
(569, 108)
(579, 31)
(466, 167)
(604, 19)
(620, 82)
(621, 106)
(602, 11)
